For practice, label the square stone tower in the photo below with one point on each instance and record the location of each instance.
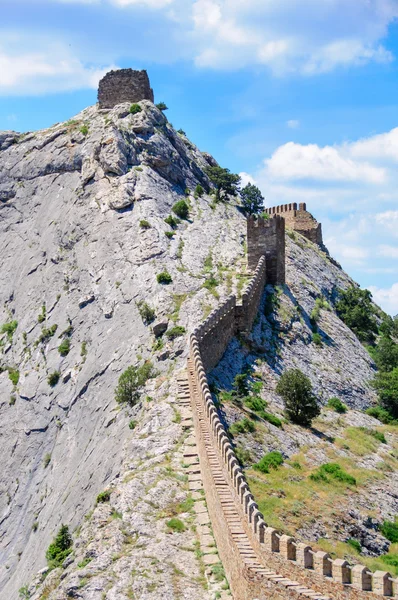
(124, 85)
(266, 237)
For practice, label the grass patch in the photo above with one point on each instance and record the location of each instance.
(243, 426)
(9, 328)
(176, 525)
(175, 332)
(331, 472)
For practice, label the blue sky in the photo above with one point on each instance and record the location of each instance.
(299, 96)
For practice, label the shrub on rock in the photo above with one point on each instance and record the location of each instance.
(300, 403)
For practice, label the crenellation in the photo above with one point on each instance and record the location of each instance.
(299, 220)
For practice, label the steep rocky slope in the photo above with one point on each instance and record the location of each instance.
(77, 255)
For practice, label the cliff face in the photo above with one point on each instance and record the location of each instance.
(77, 259)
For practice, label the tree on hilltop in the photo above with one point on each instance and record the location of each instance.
(225, 182)
(252, 199)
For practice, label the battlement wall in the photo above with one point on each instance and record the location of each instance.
(317, 570)
(291, 558)
(215, 333)
(299, 219)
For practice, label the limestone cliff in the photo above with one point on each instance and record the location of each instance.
(83, 237)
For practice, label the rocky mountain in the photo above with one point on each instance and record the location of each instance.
(84, 239)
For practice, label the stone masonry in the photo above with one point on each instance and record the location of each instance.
(299, 220)
(266, 237)
(124, 85)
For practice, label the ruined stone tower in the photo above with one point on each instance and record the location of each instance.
(299, 220)
(124, 85)
(266, 237)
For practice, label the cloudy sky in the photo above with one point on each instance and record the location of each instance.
(300, 96)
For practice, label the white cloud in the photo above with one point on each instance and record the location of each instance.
(51, 67)
(386, 297)
(293, 123)
(288, 36)
(246, 178)
(295, 161)
(389, 251)
(384, 145)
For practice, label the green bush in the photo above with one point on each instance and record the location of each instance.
(199, 191)
(64, 347)
(390, 530)
(337, 405)
(47, 333)
(356, 310)
(176, 525)
(271, 418)
(59, 549)
(53, 378)
(241, 385)
(211, 283)
(84, 129)
(175, 332)
(170, 234)
(132, 424)
(103, 497)
(130, 382)
(243, 426)
(161, 106)
(378, 435)
(381, 414)
(332, 471)
(255, 403)
(272, 460)
(9, 328)
(300, 403)
(171, 221)
(354, 544)
(317, 339)
(385, 354)
(181, 132)
(24, 593)
(144, 224)
(147, 313)
(181, 209)
(47, 460)
(43, 315)
(13, 375)
(386, 385)
(134, 109)
(164, 277)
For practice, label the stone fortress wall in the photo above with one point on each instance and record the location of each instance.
(318, 570)
(124, 85)
(299, 220)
